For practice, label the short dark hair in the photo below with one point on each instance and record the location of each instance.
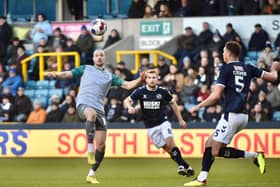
(234, 47)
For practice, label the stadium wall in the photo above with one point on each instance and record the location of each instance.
(127, 140)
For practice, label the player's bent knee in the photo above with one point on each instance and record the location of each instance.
(215, 152)
(90, 114)
(101, 147)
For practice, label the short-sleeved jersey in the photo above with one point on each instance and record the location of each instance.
(94, 85)
(153, 104)
(236, 78)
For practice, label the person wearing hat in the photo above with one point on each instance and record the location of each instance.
(267, 55)
(13, 82)
(5, 36)
(258, 39)
(86, 45)
(42, 29)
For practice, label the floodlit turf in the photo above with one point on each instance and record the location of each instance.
(131, 172)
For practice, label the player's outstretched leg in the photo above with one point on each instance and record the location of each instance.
(184, 168)
(207, 162)
(259, 159)
(90, 131)
(260, 162)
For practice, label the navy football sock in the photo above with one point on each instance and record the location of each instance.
(177, 157)
(207, 159)
(230, 152)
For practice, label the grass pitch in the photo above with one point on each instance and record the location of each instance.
(16, 172)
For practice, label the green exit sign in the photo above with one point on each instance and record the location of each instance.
(155, 28)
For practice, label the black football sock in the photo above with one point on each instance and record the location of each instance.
(90, 131)
(98, 159)
(177, 157)
(207, 159)
(230, 152)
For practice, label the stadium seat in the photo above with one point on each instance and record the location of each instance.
(252, 54)
(41, 93)
(58, 92)
(30, 84)
(29, 93)
(52, 84)
(252, 62)
(276, 116)
(44, 84)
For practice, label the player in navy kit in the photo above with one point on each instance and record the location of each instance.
(153, 101)
(233, 86)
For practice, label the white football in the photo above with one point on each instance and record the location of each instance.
(98, 27)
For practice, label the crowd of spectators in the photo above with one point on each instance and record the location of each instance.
(187, 8)
(199, 57)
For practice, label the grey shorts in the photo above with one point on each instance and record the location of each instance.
(100, 123)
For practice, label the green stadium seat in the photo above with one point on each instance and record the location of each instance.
(276, 116)
(30, 84)
(58, 92)
(44, 84)
(29, 93)
(41, 93)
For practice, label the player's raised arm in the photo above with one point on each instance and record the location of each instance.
(59, 75)
(177, 112)
(128, 85)
(215, 96)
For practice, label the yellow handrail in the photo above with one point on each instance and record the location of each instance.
(137, 54)
(42, 64)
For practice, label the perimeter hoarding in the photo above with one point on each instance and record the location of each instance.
(126, 142)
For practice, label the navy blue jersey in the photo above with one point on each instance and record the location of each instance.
(153, 104)
(236, 78)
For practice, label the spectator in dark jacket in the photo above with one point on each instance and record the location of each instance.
(16, 60)
(128, 76)
(22, 106)
(86, 45)
(210, 8)
(58, 39)
(5, 36)
(137, 8)
(230, 34)
(258, 39)
(248, 7)
(112, 38)
(55, 115)
(277, 44)
(205, 37)
(12, 49)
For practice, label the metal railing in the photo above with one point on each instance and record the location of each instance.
(41, 56)
(137, 54)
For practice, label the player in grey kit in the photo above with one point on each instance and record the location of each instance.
(94, 85)
(233, 86)
(153, 101)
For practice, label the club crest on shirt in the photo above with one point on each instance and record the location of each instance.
(144, 96)
(158, 96)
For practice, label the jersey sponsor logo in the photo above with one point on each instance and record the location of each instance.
(151, 104)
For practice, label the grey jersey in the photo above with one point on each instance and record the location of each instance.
(94, 86)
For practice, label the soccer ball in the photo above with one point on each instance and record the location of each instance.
(98, 27)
